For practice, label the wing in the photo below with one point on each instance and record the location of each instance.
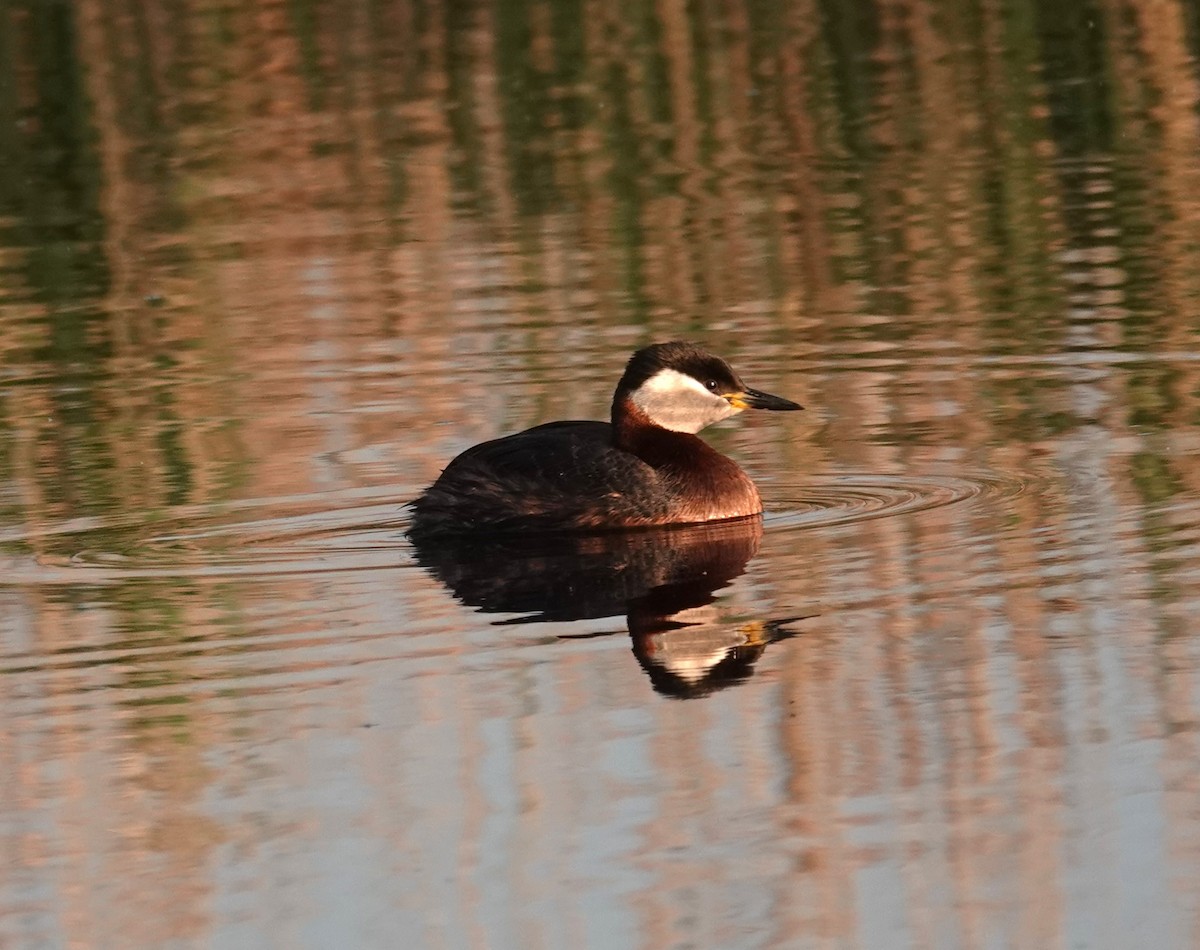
(564, 475)
(556, 455)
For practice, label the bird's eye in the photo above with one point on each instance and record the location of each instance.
(712, 385)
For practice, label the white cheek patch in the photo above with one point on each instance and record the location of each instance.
(676, 401)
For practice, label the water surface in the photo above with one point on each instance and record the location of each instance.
(264, 270)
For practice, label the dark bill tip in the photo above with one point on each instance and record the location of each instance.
(753, 399)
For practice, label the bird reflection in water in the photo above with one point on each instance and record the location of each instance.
(662, 580)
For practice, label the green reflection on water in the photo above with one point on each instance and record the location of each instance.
(1075, 66)
(49, 168)
(527, 110)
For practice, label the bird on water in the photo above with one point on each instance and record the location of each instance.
(645, 468)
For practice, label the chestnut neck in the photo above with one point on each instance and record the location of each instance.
(709, 486)
(634, 432)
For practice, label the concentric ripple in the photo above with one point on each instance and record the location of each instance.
(322, 533)
(297, 534)
(845, 499)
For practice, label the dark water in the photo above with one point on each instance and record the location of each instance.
(265, 268)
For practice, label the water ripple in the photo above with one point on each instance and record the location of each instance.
(849, 498)
(320, 534)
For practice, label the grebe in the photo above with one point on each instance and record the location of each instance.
(645, 468)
